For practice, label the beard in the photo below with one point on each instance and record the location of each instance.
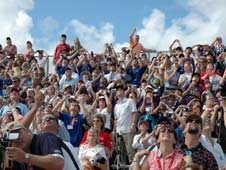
(193, 130)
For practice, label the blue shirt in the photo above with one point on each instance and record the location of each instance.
(23, 109)
(76, 130)
(82, 68)
(60, 71)
(134, 75)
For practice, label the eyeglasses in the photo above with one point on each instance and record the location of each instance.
(96, 121)
(48, 119)
(162, 130)
(193, 120)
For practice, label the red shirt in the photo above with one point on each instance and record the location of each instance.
(104, 139)
(59, 49)
(202, 74)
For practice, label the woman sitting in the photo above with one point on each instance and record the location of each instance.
(92, 155)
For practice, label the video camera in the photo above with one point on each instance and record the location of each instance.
(8, 137)
(6, 141)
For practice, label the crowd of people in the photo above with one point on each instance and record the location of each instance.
(165, 112)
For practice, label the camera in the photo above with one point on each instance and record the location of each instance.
(8, 137)
(6, 141)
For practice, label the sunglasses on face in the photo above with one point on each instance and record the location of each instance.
(163, 130)
(48, 119)
(193, 120)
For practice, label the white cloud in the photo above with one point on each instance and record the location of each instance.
(202, 24)
(91, 37)
(15, 22)
(48, 24)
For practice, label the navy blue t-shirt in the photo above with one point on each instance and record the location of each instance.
(75, 131)
(43, 144)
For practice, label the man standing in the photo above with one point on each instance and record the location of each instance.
(126, 116)
(61, 49)
(193, 149)
(10, 49)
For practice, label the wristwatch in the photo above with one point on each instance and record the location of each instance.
(26, 157)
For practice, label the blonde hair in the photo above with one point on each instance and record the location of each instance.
(96, 131)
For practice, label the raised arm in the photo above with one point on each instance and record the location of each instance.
(171, 46)
(59, 105)
(28, 118)
(108, 102)
(81, 60)
(132, 33)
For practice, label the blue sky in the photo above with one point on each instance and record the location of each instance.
(123, 14)
(96, 22)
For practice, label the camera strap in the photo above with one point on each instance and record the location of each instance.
(70, 154)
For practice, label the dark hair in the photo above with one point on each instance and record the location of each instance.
(164, 126)
(188, 48)
(8, 38)
(29, 42)
(179, 49)
(63, 36)
(181, 55)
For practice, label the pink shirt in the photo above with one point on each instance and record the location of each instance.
(173, 161)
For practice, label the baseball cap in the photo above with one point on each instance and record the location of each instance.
(12, 126)
(148, 88)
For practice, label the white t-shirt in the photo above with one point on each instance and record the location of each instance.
(68, 163)
(112, 76)
(41, 62)
(137, 142)
(124, 115)
(107, 115)
(186, 78)
(92, 154)
(215, 80)
(215, 149)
